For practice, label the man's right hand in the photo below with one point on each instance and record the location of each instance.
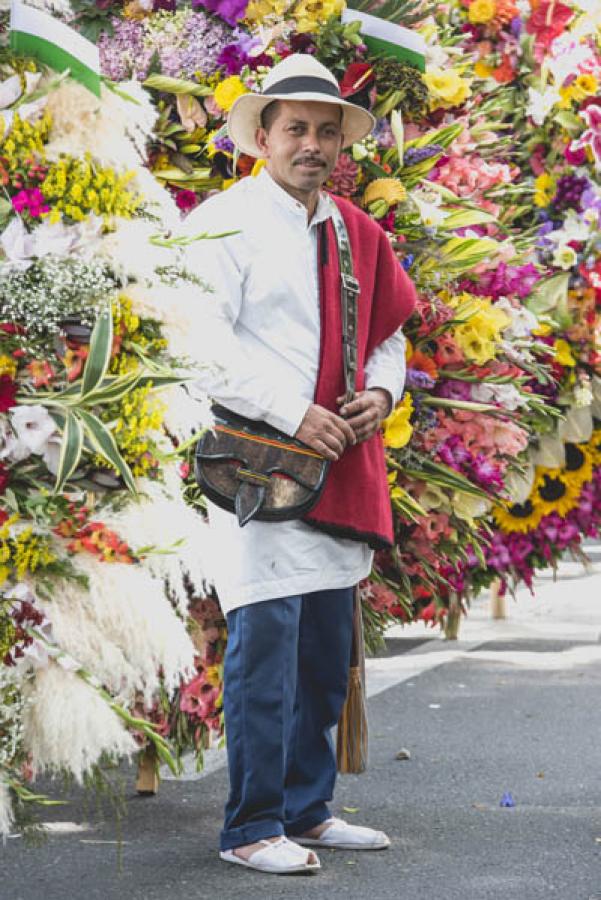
(325, 432)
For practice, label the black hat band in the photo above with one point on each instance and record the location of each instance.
(301, 84)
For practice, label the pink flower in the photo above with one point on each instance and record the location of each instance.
(186, 200)
(591, 137)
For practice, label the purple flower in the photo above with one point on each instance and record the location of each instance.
(516, 26)
(418, 379)
(231, 11)
(507, 800)
(454, 390)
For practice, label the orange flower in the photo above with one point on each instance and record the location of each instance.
(41, 372)
(423, 363)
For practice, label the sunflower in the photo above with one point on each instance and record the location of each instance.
(594, 447)
(553, 491)
(579, 465)
(521, 517)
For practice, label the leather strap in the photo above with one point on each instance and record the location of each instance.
(349, 296)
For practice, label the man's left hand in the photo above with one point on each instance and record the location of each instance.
(366, 412)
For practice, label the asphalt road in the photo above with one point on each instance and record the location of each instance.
(476, 727)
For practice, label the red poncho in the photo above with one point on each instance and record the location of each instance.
(355, 502)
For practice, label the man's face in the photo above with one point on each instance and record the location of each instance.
(302, 144)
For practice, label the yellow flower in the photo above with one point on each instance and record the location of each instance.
(544, 189)
(213, 675)
(228, 91)
(447, 89)
(584, 86)
(567, 94)
(482, 70)
(482, 11)
(387, 189)
(563, 353)
(474, 345)
(260, 164)
(8, 366)
(310, 14)
(397, 427)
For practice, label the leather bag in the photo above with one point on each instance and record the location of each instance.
(256, 471)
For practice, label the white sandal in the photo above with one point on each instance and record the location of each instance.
(340, 835)
(281, 857)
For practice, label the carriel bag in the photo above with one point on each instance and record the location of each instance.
(257, 472)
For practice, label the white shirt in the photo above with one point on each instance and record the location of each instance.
(262, 326)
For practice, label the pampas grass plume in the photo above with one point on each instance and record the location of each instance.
(68, 727)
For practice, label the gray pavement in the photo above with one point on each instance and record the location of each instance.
(494, 714)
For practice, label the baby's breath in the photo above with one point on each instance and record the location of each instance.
(43, 295)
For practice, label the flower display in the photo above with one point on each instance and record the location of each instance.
(93, 606)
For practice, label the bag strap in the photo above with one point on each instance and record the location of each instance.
(349, 295)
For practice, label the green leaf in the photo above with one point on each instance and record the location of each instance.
(177, 86)
(549, 295)
(71, 448)
(101, 344)
(104, 443)
(464, 218)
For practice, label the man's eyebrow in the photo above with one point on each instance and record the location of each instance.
(304, 122)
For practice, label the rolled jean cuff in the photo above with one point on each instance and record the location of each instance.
(311, 820)
(250, 834)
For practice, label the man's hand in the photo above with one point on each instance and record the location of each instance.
(325, 432)
(366, 412)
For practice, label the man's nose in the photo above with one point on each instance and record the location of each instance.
(311, 141)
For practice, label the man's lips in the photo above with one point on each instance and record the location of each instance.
(310, 163)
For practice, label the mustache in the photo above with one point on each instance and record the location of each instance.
(309, 159)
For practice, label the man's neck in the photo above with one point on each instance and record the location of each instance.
(309, 199)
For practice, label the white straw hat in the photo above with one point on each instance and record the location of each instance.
(297, 77)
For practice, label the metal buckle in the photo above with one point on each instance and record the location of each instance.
(350, 283)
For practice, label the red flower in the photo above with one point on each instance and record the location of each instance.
(3, 516)
(4, 479)
(8, 392)
(356, 77)
(548, 21)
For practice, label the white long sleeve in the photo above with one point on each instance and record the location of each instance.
(386, 367)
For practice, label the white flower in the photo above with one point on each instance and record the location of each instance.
(428, 205)
(52, 452)
(10, 91)
(568, 56)
(565, 257)
(11, 448)
(523, 322)
(17, 244)
(540, 103)
(34, 426)
(506, 394)
(574, 228)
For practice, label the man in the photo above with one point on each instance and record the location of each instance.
(287, 588)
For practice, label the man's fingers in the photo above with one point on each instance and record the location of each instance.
(369, 418)
(346, 430)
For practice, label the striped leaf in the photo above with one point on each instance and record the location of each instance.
(104, 444)
(101, 344)
(71, 448)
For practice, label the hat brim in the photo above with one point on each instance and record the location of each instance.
(245, 118)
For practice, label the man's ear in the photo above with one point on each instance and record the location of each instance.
(262, 142)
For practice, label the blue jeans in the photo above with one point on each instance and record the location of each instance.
(286, 673)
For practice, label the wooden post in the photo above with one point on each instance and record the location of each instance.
(451, 628)
(148, 780)
(498, 607)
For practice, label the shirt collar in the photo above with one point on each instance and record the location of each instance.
(322, 212)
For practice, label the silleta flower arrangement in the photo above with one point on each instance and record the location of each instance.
(99, 554)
